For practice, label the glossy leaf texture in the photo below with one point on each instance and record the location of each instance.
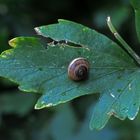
(136, 6)
(43, 69)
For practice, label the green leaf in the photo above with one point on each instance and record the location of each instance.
(60, 129)
(113, 73)
(84, 133)
(4, 33)
(136, 6)
(119, 13)
(16, 103)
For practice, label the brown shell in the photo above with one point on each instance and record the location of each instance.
(78, 69)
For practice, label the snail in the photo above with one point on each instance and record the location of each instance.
(78, 69)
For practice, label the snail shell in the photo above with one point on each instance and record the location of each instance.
(78, 69)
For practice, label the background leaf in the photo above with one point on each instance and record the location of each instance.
(136, 6)
(17, 103)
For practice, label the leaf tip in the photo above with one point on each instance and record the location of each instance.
(64, 21)
(61, 20)
(42, 104)
(37, 30)
(94, 127)
(12, 42)
(91, 127)
(38, 106)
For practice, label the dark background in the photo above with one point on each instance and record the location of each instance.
(18, 119)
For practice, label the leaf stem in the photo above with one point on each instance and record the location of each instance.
(122, 41)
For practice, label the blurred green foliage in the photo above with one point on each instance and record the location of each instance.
(18, 119)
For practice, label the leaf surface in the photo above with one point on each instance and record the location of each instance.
(37, 68)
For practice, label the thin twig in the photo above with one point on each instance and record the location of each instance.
(121, 40)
